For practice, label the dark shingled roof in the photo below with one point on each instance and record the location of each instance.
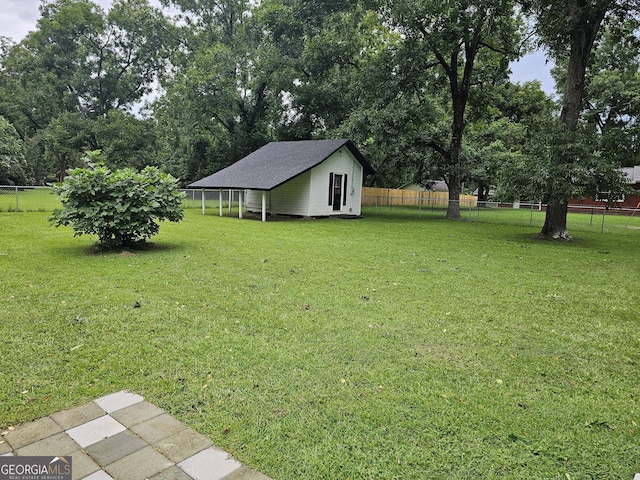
(277, 163)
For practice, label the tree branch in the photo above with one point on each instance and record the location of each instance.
(502, 51)
(446, 154)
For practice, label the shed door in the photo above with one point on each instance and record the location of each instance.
(337, 191)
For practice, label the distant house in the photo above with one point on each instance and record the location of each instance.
(633, 176)
(309, 178)
(630, 201)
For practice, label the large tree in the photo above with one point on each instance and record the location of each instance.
(611, 99)
(324, 49)
(469, 42)
(62, 81)
(504, 122)
(220, 97)
(337, 79)
(12, 160)
(568, 30)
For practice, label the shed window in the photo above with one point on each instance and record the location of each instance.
(344, 190)
(331, 189)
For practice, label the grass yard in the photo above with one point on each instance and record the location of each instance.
(29, 199)
(590, 220)
(379, 348)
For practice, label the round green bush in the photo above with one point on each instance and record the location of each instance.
(122, 207)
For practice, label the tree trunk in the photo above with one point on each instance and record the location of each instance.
(455, 189)
(61, 167)
(555, 222)
(454, 177)
(582, 39)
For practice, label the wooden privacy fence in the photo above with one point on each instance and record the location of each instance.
(379, 197)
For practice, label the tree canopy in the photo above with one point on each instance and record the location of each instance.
(423, 88)
(570, 30)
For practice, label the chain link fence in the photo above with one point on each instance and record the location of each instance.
(518, 213)
(41, 199)
(27, 199)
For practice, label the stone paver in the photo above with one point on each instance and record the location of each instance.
(171, 473)
(4, 447)
(32, 432)
(95, 430)
(77, 416)
(118, 401)
(210, 464)
(57, 445)
(158, 428)
(137, 413)
(82, 465)
(182, 445)
(123, 437)
(115, 447)
(99, 475)
(139, 465)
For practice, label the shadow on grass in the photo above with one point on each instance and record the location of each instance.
(257, 217)
(538, 239)
(144, 247)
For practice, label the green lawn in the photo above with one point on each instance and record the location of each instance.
(380, 348)
(30, 199)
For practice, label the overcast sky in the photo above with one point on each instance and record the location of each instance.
(18, 17)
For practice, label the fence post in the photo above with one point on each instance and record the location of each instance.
(604, 212)
(17, 205)
(531, 214)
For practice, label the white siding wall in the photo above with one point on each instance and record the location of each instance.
(253, 200)
(291, 198)
(341, 162)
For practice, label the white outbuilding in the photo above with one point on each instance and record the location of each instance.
(308, 178)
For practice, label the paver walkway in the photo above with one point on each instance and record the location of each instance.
(123, 437)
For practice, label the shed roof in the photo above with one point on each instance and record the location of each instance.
(276, 163)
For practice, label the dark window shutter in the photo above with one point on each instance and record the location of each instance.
(344, 190)
(331, 189)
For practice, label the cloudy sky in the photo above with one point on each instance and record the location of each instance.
(18, 17)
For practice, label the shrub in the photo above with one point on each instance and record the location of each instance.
(122, 207)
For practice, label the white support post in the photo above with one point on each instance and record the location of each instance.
(203, 205)
(239, 203)
(220, 201)
(264, 206)
(230, 199)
